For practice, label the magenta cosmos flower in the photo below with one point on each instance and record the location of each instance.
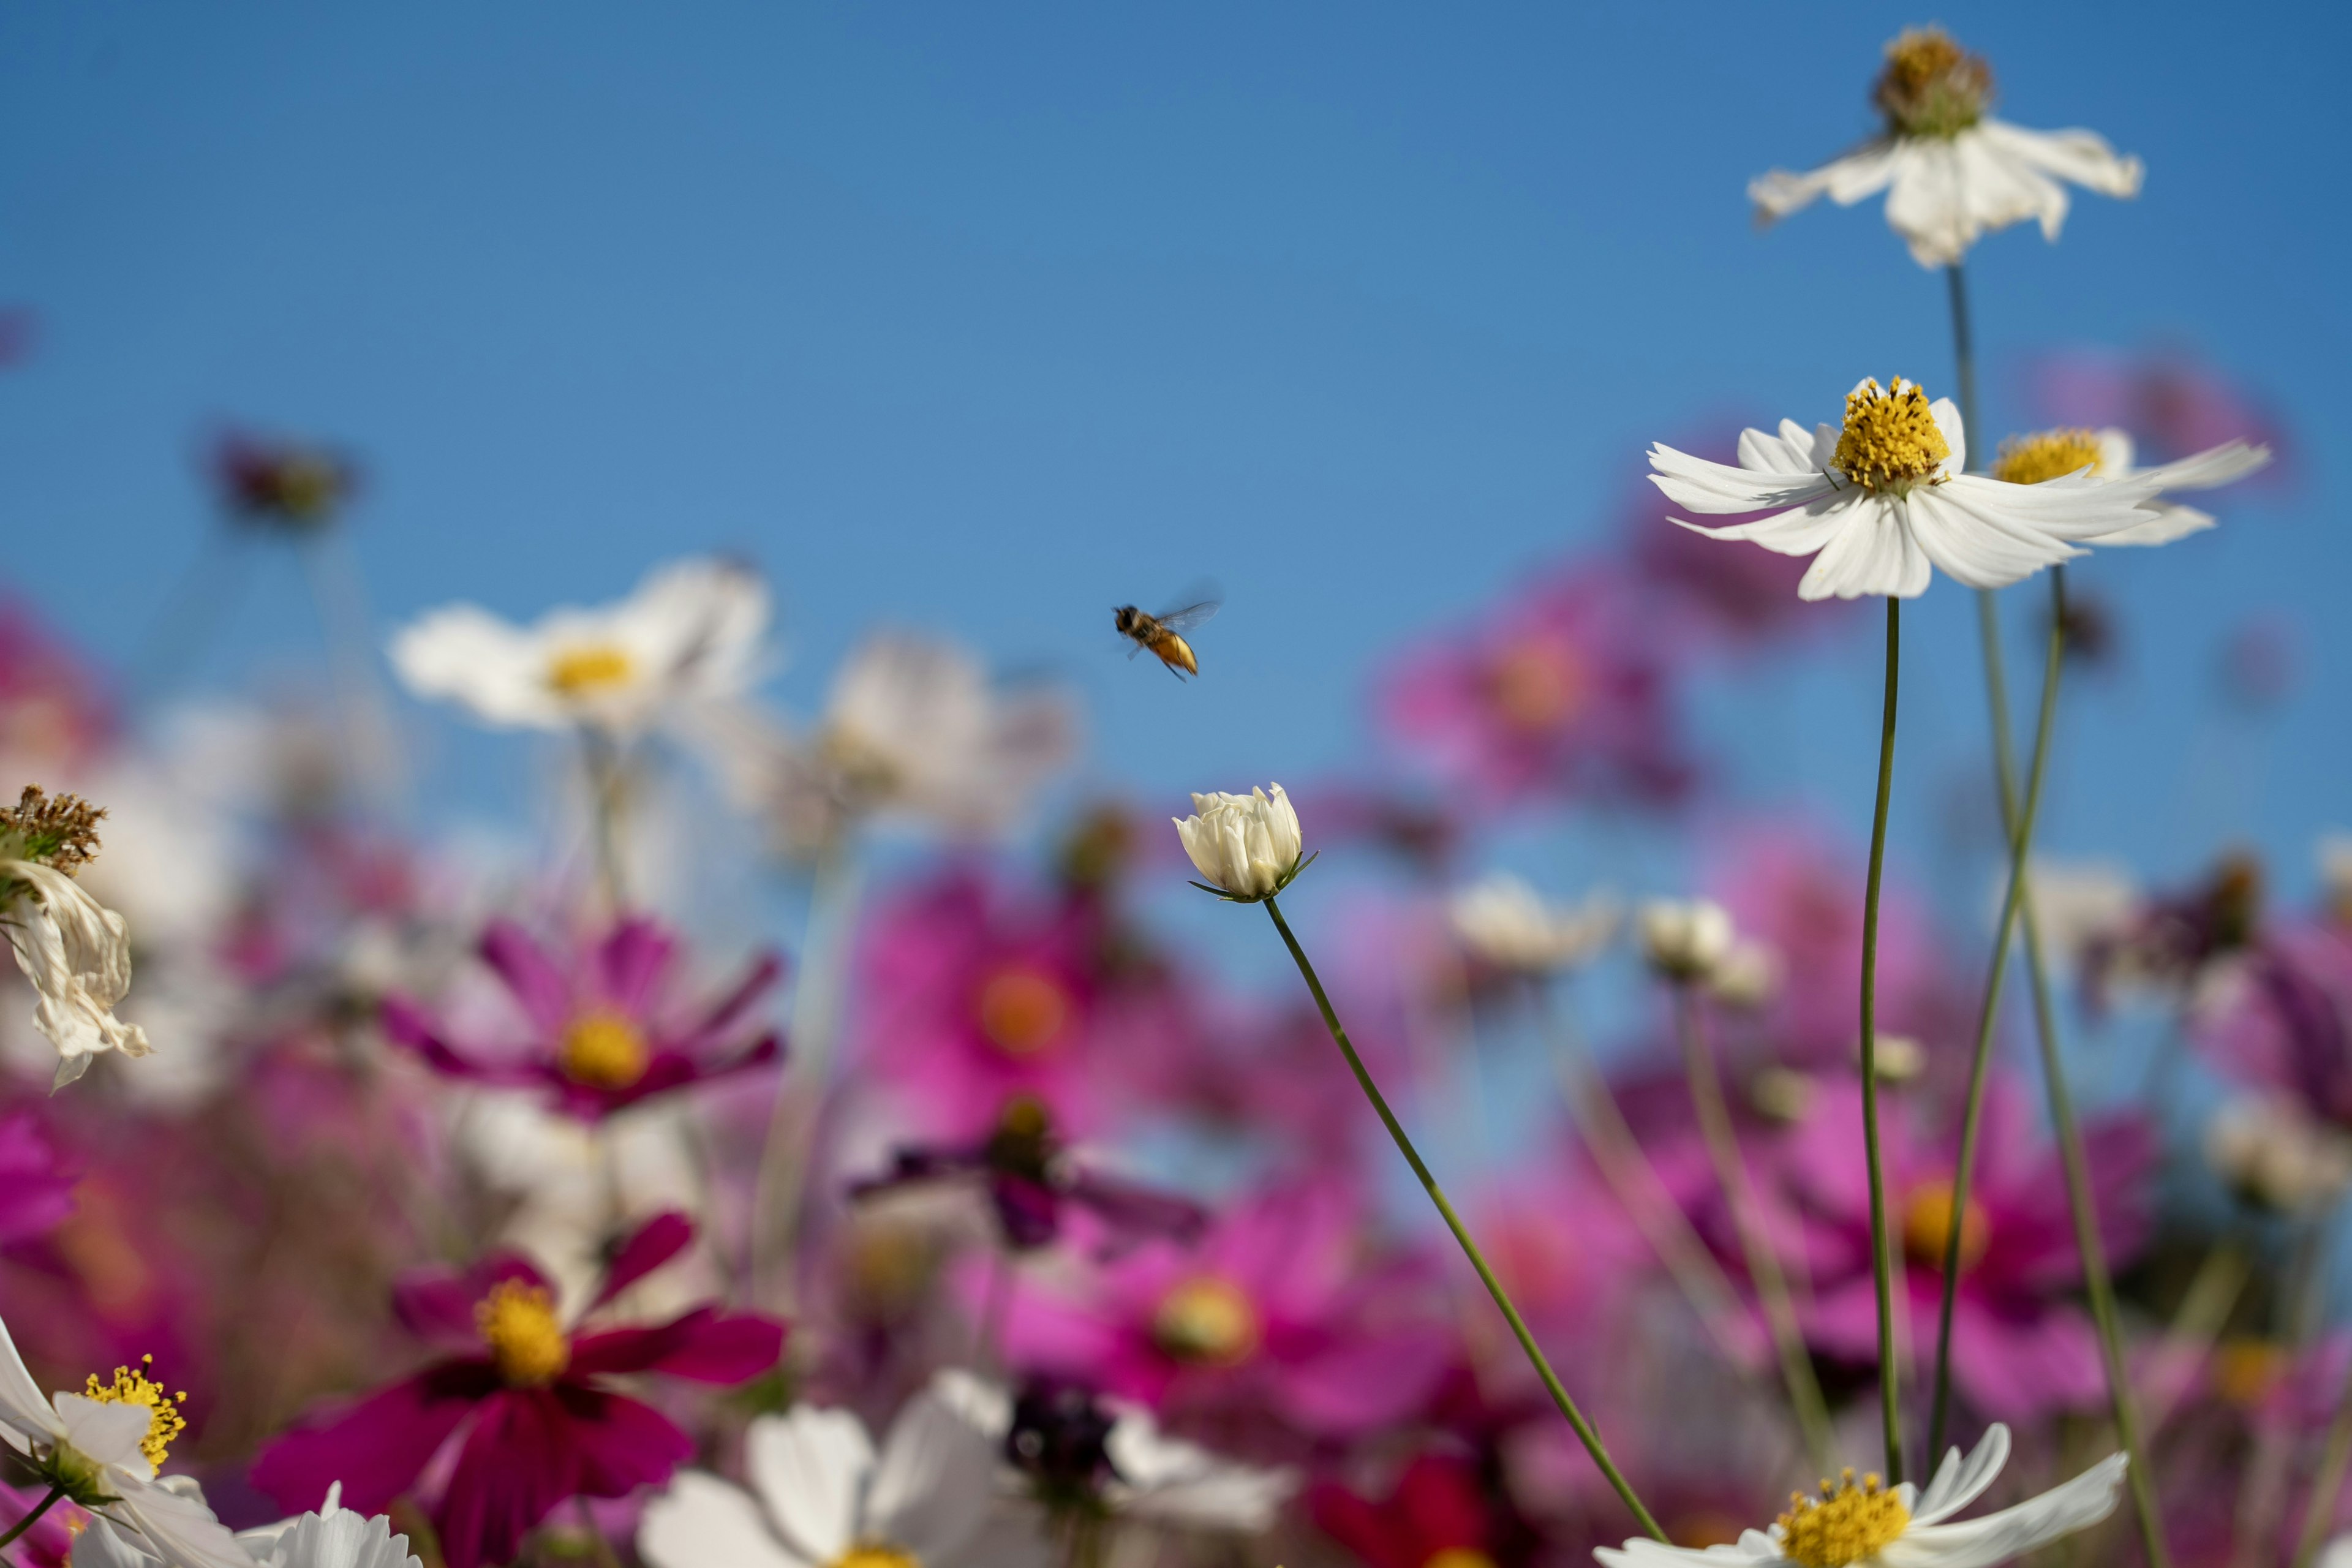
(596, 1031)
(532, 1395)
(2284, 1021)
(1275, 1313)
(1563, 689)
(2021, 1347)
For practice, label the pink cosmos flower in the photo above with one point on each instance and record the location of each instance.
(54, 713)
(2286, 1022)
(1276, 1313)
(597, 1033)
(2020, 1347)
(541, 1422)
(37, 1181)
(1562, 690)
(1439, 1511)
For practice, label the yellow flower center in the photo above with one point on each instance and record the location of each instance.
(603, 1051)
(876, 1554)
(2244, 1370)
(1928, 1227)
(1890, 441)
(1208, 1321)
(1537, 685)
(2049, 454)
(1849, 1524)
(132, 1386)
(1459, 1557)
(518, 1321)
(591, 668)
(1931, 86)
(1023, 1011)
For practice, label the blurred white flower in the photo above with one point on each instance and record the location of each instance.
(1882, 501)
(1901, 1527)
(2107, 455)
(691, 633)
(1952, 172)
(2275, 1153)
(2077, 904)
(1685, 939)
(1747, 976)
(912, 729)
(1501, 920)
(1246, 845)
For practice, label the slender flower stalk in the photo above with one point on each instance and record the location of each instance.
(2319, 1514)
(1559, 1394)
(1880, 1256)
(33, 1518)
(1755, 1243)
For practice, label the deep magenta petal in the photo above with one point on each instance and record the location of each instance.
(436, 1305)
(653, 1244)
(377, 1447)
(630, 965)
(704, 1346)
(522, 1458)
(622, 1445)
(764, 972)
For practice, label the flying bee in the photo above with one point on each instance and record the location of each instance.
(1163, 635)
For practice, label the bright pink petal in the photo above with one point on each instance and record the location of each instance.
(378, 1446)
(630, 965)
(705, 1346)
(537, 983)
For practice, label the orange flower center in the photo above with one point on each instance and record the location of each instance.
(603, 1050)
(1207, 1321)
(1928, 1227)
(1537, 684)
(1023, 1011)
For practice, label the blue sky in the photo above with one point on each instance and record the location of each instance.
(989, 318)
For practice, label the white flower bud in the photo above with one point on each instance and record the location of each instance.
(1247, 845)
(1685, 939)
(1748, 975)
(1500, 920)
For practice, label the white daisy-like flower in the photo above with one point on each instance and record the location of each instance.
(2107, 455)
(1903, 1528)
(2273, 1153)
(692, 633)
(1951, 172)
(821, 1496)
(1884, 499)
(1500, 920)
(1685, 938)
(334, 1537)
(101, 1448)
(74, 950)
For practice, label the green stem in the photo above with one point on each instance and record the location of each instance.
(1559, 1394)
(39, 1508)
(1755, 1243)
(2319, 1514)
(1880, 1256)
(2017, 829)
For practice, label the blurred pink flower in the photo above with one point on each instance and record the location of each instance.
(598, 1033)
(2021, 1347)
(2285, 1020)
(54, 711)
(2171, 404)
(1277, 1313)
(36, 1181)
(1563, 690)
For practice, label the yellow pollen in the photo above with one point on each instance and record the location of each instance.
(1458, 1557)
(132, 1386)
(1891, 441)
(876, 1554)
(2048, 454)
(1537, 685)
(1207, 1321)
(1931, 86)
(1848, 1523)
(1928, 1227)
(603, 1051)
(1023, 1011)
(517, 1323)
(587, 670)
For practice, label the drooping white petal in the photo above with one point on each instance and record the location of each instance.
(76, 953)
(1872, 554)
(1946, 415)
(1845, 181)
(1754, 1547)
(934, 1482)
(1960, 1482)
(1925, 203)
(2214, 467)
(2012, 1532)
(811, 1468)
(2083, 156)
(701, 1522)
(1702, 486)
(2076, 507)
(2167, 521)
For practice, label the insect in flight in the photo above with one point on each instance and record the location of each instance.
(1162, 636)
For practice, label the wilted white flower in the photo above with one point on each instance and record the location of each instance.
(690, 634)
(1904, 1528)
(74, 950)
(1247, 845)
(2275, 1153)
(913, 729)
(1501, 920)
(1955, 172)
(1685, 939)
(821, 1496)
(2107, 455)
(102, 1447)
(1886, 499)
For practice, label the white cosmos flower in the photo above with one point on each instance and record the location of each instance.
(1686, 939)
(2107, 455)
(1951, 173)
(1503, 921)
(334, 1537)
(102, 1451)
(1884, 498)
(2273, 1153)
(76, 953)
(1905, 1528)
(821, 1498)
(691, 633)
(1246, 845)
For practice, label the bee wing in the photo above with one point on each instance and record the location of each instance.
(1191, 616)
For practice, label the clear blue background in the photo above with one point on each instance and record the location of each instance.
(989, 317)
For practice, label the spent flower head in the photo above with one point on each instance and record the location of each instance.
(59, 831)
(1931, 86)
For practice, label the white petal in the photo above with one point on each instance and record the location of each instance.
(108, 1431)
(810, 1468)
(1179, 1483)
(702, 1523)
(2000, 1537)
(339, 1538)
(2077, 507)
(106, 1544)
(179, 1530)
(465, 654)
(2114, 453)
(24, 1409)
(1644, 1552)
(1845, 181)
(2166, 522)
(1873, 554)
(934, 1482)
(1947, 415)
(1960, 1482)
(2082, 156)
(1925, 204)
(2208, 469)
(1977, 548)
(985, 1405)
(1702, 486)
